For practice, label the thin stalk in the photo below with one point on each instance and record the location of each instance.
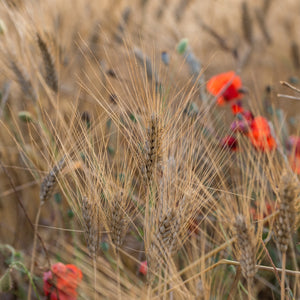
(119, 275)
(17, 263)
(295, 264)
(25, 212)
(229, 262)
(95, 276)
(36, 225)
(282, 287)
(249, 287)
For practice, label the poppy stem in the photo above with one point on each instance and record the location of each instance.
(34, 247)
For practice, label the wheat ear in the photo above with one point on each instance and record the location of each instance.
(24, 82)
(166, 239)
(118, 220)
(285, 222)
(50, 180)
(247, 23)
(161, 245)
(247, 251)
(45, 192)
(51, 76)
(90, 215)
(153, 147)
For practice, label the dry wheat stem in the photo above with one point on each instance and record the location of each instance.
(37, 218)
(288, 97)
(282, 283)
(284, 83)
(227, 262)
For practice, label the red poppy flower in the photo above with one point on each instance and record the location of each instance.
(62, 282)
(293, 144)
(237, 108)
(143, 267)
(225, 86)
(260, 134)
(230, 142)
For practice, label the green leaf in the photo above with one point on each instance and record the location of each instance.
(5, 282)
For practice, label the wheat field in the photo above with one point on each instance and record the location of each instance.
(149, 149)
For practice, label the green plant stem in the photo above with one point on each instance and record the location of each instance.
(36, 225)
(17, 263)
